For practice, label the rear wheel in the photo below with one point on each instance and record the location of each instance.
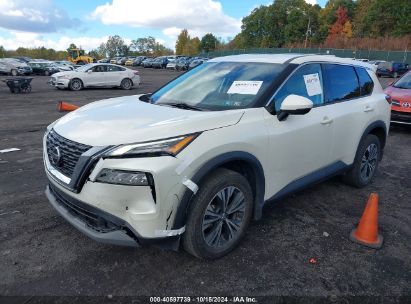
(76, 84)
(126, 84)
(219, 215)
(365, 163)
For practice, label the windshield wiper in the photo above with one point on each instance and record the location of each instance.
(182, 105)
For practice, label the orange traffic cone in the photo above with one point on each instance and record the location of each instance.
(367, 230)
(66, 107)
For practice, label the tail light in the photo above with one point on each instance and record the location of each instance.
(388, 99)
(136, 73)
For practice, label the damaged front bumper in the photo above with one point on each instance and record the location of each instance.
(95, 223)
(104, 227)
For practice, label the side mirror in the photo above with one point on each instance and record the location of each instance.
(145, 97)
(294, 105)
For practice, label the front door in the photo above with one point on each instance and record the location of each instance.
(96, 76)
(299, 146)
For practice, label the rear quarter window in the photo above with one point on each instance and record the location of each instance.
(366, 83)
(341, 83)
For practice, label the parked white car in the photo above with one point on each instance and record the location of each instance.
(200, 157)
(96, 75)
(14, 67)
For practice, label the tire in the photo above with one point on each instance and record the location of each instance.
(126, 84)
(14, 72)
(365, 163)
(27, 89)
(223, 230)
(76, 84)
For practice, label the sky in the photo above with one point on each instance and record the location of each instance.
(57, 23)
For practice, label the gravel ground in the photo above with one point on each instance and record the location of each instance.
(41, 254)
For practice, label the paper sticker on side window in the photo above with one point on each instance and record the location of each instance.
(245, 87)
(313, 84)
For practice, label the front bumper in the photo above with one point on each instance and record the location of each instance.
(94, 223)
(401, 118)
(148, 211)
(59, 83)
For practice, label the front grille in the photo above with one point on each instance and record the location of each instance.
(401, 116)
(84, 213)
(63, 153)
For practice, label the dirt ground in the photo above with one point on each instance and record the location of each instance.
(41, 254)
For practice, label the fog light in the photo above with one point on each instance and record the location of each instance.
(120, 177)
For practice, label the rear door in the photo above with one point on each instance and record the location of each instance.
(351, 107)
(114, 75)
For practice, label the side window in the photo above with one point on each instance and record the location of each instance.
(113, 68)
(366, 83)
(99, 69)
(341, 83)
(305, 81)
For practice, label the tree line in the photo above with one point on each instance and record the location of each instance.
(340, 24)
(114, 46)
(361, 24)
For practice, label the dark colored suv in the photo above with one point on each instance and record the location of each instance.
(392, 69)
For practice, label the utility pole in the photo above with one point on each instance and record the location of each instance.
(308, 32)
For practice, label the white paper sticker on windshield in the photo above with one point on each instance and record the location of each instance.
(245, 87)
(313, 84)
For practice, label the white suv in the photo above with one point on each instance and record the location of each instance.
(200, 157)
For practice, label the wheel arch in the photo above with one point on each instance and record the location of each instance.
(379, 129)
(242, 162)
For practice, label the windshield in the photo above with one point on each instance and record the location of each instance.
(219, 85)
(404, 82)
(84, 67)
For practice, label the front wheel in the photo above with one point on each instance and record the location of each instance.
(126, 84)
(365, 163)
(218, 215)
(76, 84)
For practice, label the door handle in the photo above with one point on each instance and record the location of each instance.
(326, 121)
(368, 109)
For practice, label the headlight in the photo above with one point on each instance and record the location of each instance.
(121, 177)
(171, 146)
(64, 77)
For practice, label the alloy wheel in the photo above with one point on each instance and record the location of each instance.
(224, 217)
(369, 162)
(76, 85)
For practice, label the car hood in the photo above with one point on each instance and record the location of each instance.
(70, 73)
(397, 93)
(128, 120)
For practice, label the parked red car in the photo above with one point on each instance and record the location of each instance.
(400, 92)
